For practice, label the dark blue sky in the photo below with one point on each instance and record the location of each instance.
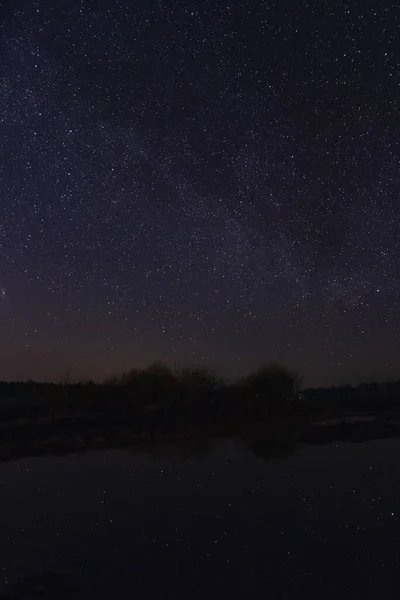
(208, 182)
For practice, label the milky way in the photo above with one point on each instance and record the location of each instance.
(209, 182)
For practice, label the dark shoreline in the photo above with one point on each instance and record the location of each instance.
(23, 441)
(158, 406)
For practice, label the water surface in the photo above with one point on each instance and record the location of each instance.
(206, 522)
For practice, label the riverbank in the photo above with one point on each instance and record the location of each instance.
(54, 437)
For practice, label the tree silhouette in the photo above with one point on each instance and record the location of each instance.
(271, 384)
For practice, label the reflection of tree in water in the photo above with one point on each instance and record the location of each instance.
(268, 442)
(270, 447)
(185, 450)
(47, 585)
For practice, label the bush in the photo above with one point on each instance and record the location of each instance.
(129, 378)
(271, 384)
(156, 384)
(198, 379)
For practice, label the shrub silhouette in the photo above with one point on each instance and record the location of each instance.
(158, 380)
(198, 379)
(270, 385)
(155, 377)
(155, 384)
(129, 378)
(190, 387)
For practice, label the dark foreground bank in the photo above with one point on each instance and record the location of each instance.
(62, 419)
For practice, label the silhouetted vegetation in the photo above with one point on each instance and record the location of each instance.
(270, 386)
(160, 402)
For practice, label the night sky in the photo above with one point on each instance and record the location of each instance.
(210, 182)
